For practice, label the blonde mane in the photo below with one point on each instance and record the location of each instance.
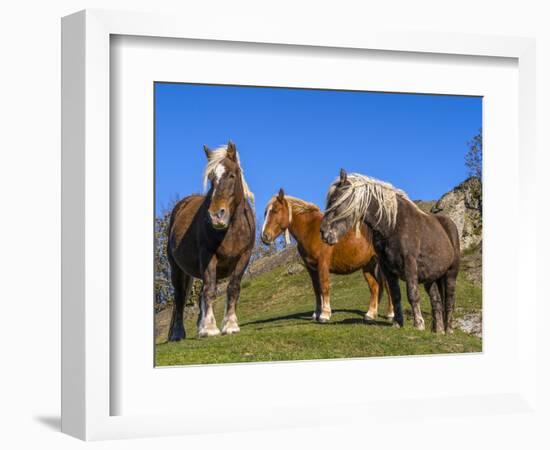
(297, 206)
(361, 191)
(216, 157)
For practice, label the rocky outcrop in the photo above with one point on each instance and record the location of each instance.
(463, 205)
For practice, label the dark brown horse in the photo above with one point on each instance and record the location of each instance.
(411, 244)
(355, 251)
(211, 237)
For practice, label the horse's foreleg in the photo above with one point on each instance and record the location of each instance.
(314, 275)
(395, 297)
(207, 321)
(411, 276)
(230, 324)
(437, 306)
(375, 291)
(324, 285)
(390, 314)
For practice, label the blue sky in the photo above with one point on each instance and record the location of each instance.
(299, 139)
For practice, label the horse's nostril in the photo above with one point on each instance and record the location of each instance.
(221, 212)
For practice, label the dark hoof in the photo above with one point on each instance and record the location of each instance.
(397, 323)
(177, 335)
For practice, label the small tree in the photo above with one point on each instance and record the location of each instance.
(474, 156)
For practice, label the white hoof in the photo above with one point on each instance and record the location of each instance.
(390, 316)
(369, 317)
(230, 328)
(324, 317)
(208, 332)
(420, 325)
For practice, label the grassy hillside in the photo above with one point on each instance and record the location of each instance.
(275, 319)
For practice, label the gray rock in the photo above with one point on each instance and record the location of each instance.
(471, 323)
(463, 205)
(294, 268)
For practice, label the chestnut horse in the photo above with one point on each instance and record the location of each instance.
(211, 237)
(412, 245)
(355, 251)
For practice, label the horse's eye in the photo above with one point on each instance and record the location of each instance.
(232, 176)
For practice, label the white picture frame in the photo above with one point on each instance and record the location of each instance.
(87, 328)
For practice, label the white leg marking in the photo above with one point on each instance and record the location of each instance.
(207, 326)
(325, 313)
(230, 325)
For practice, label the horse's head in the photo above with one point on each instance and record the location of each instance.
(276, 218)
(227, 190)
(337, 220)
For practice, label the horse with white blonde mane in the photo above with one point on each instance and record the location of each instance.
(411, 244)
(211, 237)
(290, 215)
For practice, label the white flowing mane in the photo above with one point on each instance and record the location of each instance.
(216, 157)
(359, 194)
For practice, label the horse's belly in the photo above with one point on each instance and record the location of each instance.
(351, 257)
(433, 266)
(225, 267)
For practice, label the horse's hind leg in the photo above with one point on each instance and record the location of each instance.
(437, 306)
(375, 291)
(314, 275)
(182, 285)
(324, 284)
(449, 301)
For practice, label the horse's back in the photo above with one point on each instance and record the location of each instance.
(437, 239)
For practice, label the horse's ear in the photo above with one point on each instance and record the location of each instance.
(232, 151)
(207, 151)
(281, 195)
(343, 176)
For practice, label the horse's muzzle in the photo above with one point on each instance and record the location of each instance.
(329, 237)
(219, 219)
(267, 240)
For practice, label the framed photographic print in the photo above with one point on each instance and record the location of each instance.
(269, 215)
(430, 145)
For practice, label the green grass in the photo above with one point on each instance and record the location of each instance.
(275, 318)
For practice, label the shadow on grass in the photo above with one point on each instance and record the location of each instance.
(306, 316)
(373, 323)
(296, 316)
